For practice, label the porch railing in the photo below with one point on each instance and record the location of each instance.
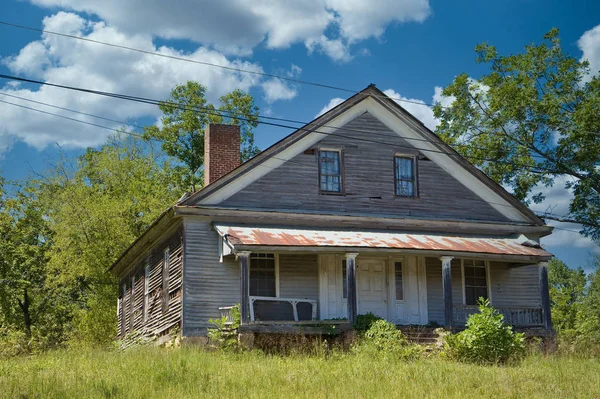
(515, 316)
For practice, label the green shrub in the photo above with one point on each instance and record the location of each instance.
(364, 321)
(486, 340)
(224, 335)
(383, 339)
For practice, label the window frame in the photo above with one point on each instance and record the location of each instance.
(403, 270)
(415, 179)
(486, 266)
(340, 152)
(276, 258)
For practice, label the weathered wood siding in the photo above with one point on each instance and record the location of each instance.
(208, 284)
(369, 181)
(435, 297)
(515, 286)
(299, 276)
(158, 319)
(510, 286)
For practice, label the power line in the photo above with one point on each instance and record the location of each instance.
(162, 141)
(215, 112)
(73, 119)
(233, 69)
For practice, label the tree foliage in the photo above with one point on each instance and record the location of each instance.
(96, 209)
(567, 290)
(31, 317)
(533, 118)
(186, 114)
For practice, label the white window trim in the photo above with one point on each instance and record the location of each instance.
(393, 279)
(415, 172)
(487, 280)
(276, 256)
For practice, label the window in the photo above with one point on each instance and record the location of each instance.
(475, 281)
(165, 281)
(344, 280)
(263, 280)
(330, 171)
(404, 170)
(399, 286)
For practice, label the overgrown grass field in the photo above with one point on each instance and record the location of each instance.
(193, 373)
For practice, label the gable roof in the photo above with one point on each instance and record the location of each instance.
(395, 117)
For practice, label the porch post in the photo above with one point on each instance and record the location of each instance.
(351, 286)
(244, 258)
(447, 290)
(545, 294)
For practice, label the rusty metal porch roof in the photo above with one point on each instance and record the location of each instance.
(259, 236)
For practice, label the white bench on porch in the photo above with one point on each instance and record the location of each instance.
(293, 302)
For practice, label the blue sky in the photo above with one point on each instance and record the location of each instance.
(406, 47)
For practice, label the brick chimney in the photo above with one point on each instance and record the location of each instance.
(221, 151)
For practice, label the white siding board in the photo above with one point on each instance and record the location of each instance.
(208, 284)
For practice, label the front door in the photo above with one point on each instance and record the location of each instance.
(371, 286)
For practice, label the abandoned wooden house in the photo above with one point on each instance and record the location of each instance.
(362, 210)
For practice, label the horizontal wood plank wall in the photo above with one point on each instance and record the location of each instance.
(369, 182)
(515, 286)
(158, 322)
(298, 276)
(208, 284)
(435, 298)
(510, 286)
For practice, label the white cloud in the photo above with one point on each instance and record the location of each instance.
(276, 89)
(363, 19)
(236, 27)
(83, 64)
(415, 106)
(422, 112)
(589, 44)
(557, 202)
(334, 102)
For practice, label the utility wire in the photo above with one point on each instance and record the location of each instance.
(233, 69)
(157, 140)
(215, 112)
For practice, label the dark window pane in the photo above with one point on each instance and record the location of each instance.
(399, 287)
(262, 275)
(475, 284)
(405, 176)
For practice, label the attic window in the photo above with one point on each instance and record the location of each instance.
(330, 172)
(405, 176)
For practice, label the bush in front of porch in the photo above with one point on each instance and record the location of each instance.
(486, 340)
(383, 339)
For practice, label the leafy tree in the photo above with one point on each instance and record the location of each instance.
(28, 308)
(567, 290)
(588, 319)
(96, 209)
(533, 118)
(185, 116)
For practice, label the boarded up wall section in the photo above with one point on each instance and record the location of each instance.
(147, 309)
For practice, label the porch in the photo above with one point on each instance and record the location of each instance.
(302, 283)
